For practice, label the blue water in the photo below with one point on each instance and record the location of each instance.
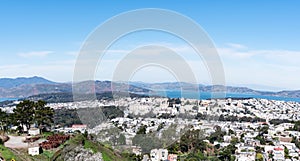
(8, 99)
(205, 95)
(208, 95)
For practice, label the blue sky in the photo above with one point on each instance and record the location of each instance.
(258, 41)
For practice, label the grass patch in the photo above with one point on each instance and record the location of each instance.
(106, 157)
(107, 153)
(48, 154)
(90, 145)
(7, 154)
(46, 134)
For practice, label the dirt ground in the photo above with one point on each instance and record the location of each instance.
(16, 142)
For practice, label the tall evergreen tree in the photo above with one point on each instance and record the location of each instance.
(29, 112)
(3, 120)
(43, 115)
(23, 114)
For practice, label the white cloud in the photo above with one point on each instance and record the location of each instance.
(57, 71)
(35, 54)
(5, 67)
(276, 68)
(72, 53)
(275, 57)
(242, 65)
(237, 46)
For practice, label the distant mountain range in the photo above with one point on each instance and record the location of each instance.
(7, 83)
(25, 87)
(210, 88)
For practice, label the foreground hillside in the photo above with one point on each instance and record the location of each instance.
(79, 147)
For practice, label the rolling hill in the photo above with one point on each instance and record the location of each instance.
(25, 87)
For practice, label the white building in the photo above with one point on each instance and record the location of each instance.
(227, 138)
(34, 131)
(34, 150)
(81, 128)
(246, 156)
(159, 154)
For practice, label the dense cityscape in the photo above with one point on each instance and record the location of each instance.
(157, 128)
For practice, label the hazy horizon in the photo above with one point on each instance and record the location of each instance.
(251, 86)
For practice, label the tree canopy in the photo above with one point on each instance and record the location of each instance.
(29, 112)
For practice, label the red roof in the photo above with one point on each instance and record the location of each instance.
(79, 126)
(278, 149)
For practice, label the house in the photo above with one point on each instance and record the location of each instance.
(278, 154)
(136, 150)
(172, 157)
(283, 126)
(285, 139)
(34, 150)
(79, 127)
(159, 154)
(246, 156)
(146, 158)
(227, 138)
(277, 151)
(34, 131)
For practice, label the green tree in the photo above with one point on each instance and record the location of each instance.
(231, 132)
(192, 141)
(296, 141)
(43, 115)
(142, 130)
(286, 152)
(28, 112)
(121, 140)
(297, 126)
(23, 114)
(160, 126)
(259, 157)
(227, 153)
(146, 142)
(3, 120)
(217, 135)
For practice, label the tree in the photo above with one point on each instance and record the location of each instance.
(228, 152)
(259, 157)
(297, 126)
(286, 152)
(43, 115)
(230, 132)
(23, 114)
(192, 140)
(160, 126)
(217, 135)
(146, 142)
(28, 112)
(3, 120)
(296, 141)
(142, 130)
(113, 139)
(121, 140)
(263, 130)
